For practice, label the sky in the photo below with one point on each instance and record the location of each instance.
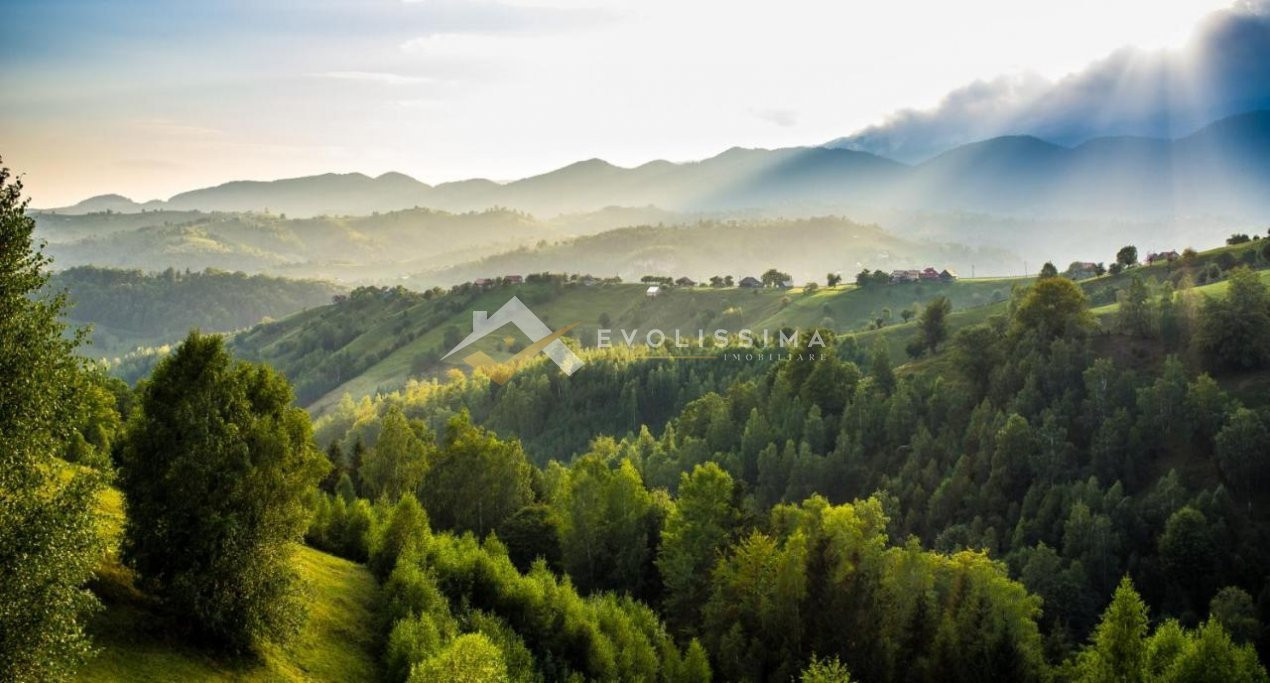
(149, 98)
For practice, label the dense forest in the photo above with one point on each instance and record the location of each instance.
(1053, 489)
(130, 308)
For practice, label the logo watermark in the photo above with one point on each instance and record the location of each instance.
(515, 312)
(741, 345)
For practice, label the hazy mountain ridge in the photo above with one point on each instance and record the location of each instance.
(807, 248)
(359, 248)
(1220, 169)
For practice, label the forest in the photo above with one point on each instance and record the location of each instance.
(127, 309)
(1068, 486)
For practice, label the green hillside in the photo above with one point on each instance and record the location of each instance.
(126, 309)
(378, 339)
(336, 644)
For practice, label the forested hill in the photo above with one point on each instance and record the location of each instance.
(1050, 492)
(131, 308)
(380, 338)
(806, 248)
(423, 248)
(353, 248)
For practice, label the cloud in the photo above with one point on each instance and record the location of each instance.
(383, 77)
(1223, 70)
(784, 118)
(491, 16)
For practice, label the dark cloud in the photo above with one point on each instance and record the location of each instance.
(1224, 70)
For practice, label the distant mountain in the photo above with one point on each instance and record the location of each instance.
(1221, 170)
(330, 194)
(105, 202)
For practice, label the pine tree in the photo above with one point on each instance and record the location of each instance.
(1119, 648)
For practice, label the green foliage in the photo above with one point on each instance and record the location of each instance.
(1187, 552)
(533, 532)
(1122, 651)
(400, 458)
(471, 658)
(406, 525)
(1234, 331)
(1233, 608)
(825, 671)
(1127, 256)
(48, 539)
(1119, 648)
(475, 481)
(213, 472)
(1242, 454)
(537, 624)
(1135, 316)
(1053, 307)
(775, 278)
(607, 525)
(129, 308)
(698, 528)
(828, 584)
(933, 323)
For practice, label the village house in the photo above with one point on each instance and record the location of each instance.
(930, 274)
(513, 279)
(905, 275)
(751, 282)
(948, 275)
(1082, 270)
(1162, 257)
(652, 292)
(483, 282)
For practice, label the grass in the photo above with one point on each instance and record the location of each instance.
(845, 308)
(1215, 290)
(337, 642)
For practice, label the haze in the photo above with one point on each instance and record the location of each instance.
(127, 97)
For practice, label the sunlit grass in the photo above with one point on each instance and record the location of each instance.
(336, 643)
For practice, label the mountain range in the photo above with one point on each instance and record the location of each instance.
(1219, 170)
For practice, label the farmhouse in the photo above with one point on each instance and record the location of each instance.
(1081, 270)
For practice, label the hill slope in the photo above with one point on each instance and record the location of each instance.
(128, 308)
(379, 339)
(336, 643)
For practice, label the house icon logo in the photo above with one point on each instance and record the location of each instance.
(543, 340)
